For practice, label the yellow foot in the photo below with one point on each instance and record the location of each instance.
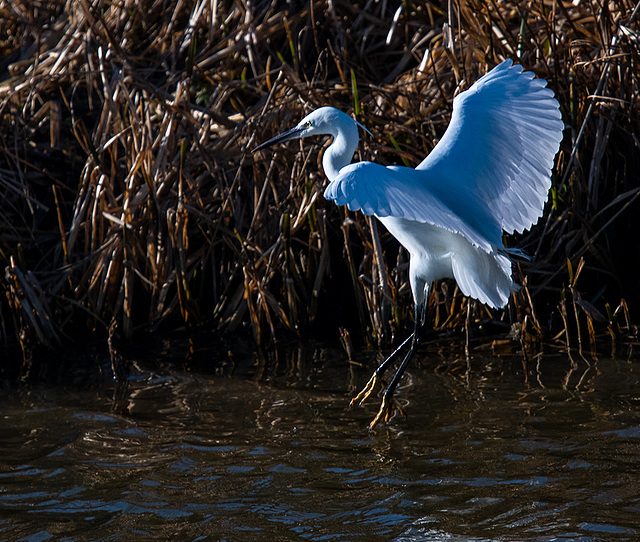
(366, 391)
(388, 407)
(387, 410)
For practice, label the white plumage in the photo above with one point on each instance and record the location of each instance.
(489, 173)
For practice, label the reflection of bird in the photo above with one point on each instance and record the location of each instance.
(489, 172)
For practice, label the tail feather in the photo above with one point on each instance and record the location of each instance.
(486, 278)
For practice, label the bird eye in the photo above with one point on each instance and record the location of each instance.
(308, 124)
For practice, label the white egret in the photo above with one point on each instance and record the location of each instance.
(489, 173)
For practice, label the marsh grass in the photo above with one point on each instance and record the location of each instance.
(131, 199)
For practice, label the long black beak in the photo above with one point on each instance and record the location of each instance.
(294, 133)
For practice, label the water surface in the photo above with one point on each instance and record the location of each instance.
(495, 449)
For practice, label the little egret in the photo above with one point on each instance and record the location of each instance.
(489, 173)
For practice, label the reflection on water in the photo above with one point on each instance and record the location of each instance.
(547, 449)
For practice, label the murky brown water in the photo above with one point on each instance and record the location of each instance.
(507, 451)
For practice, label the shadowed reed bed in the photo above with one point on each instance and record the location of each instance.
(131, 201)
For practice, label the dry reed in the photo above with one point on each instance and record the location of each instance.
(130, 195)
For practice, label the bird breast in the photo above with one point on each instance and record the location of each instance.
(429, 246)
(437, 253)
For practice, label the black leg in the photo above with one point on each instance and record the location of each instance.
(391, 388)
(377, 374)
(382, 368)
(388, 404)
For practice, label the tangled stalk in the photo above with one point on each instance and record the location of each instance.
(130, 196)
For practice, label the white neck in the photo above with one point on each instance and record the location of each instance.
(341, 150)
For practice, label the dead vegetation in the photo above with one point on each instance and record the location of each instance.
(130, 196)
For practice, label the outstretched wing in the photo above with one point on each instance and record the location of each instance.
(489, 172)
(500, 146)
(406, 193)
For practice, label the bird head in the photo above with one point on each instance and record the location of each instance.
(326, 121)
(322, 121)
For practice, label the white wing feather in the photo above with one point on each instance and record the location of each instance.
(500, 145)
(489, 172)
(403, 192)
